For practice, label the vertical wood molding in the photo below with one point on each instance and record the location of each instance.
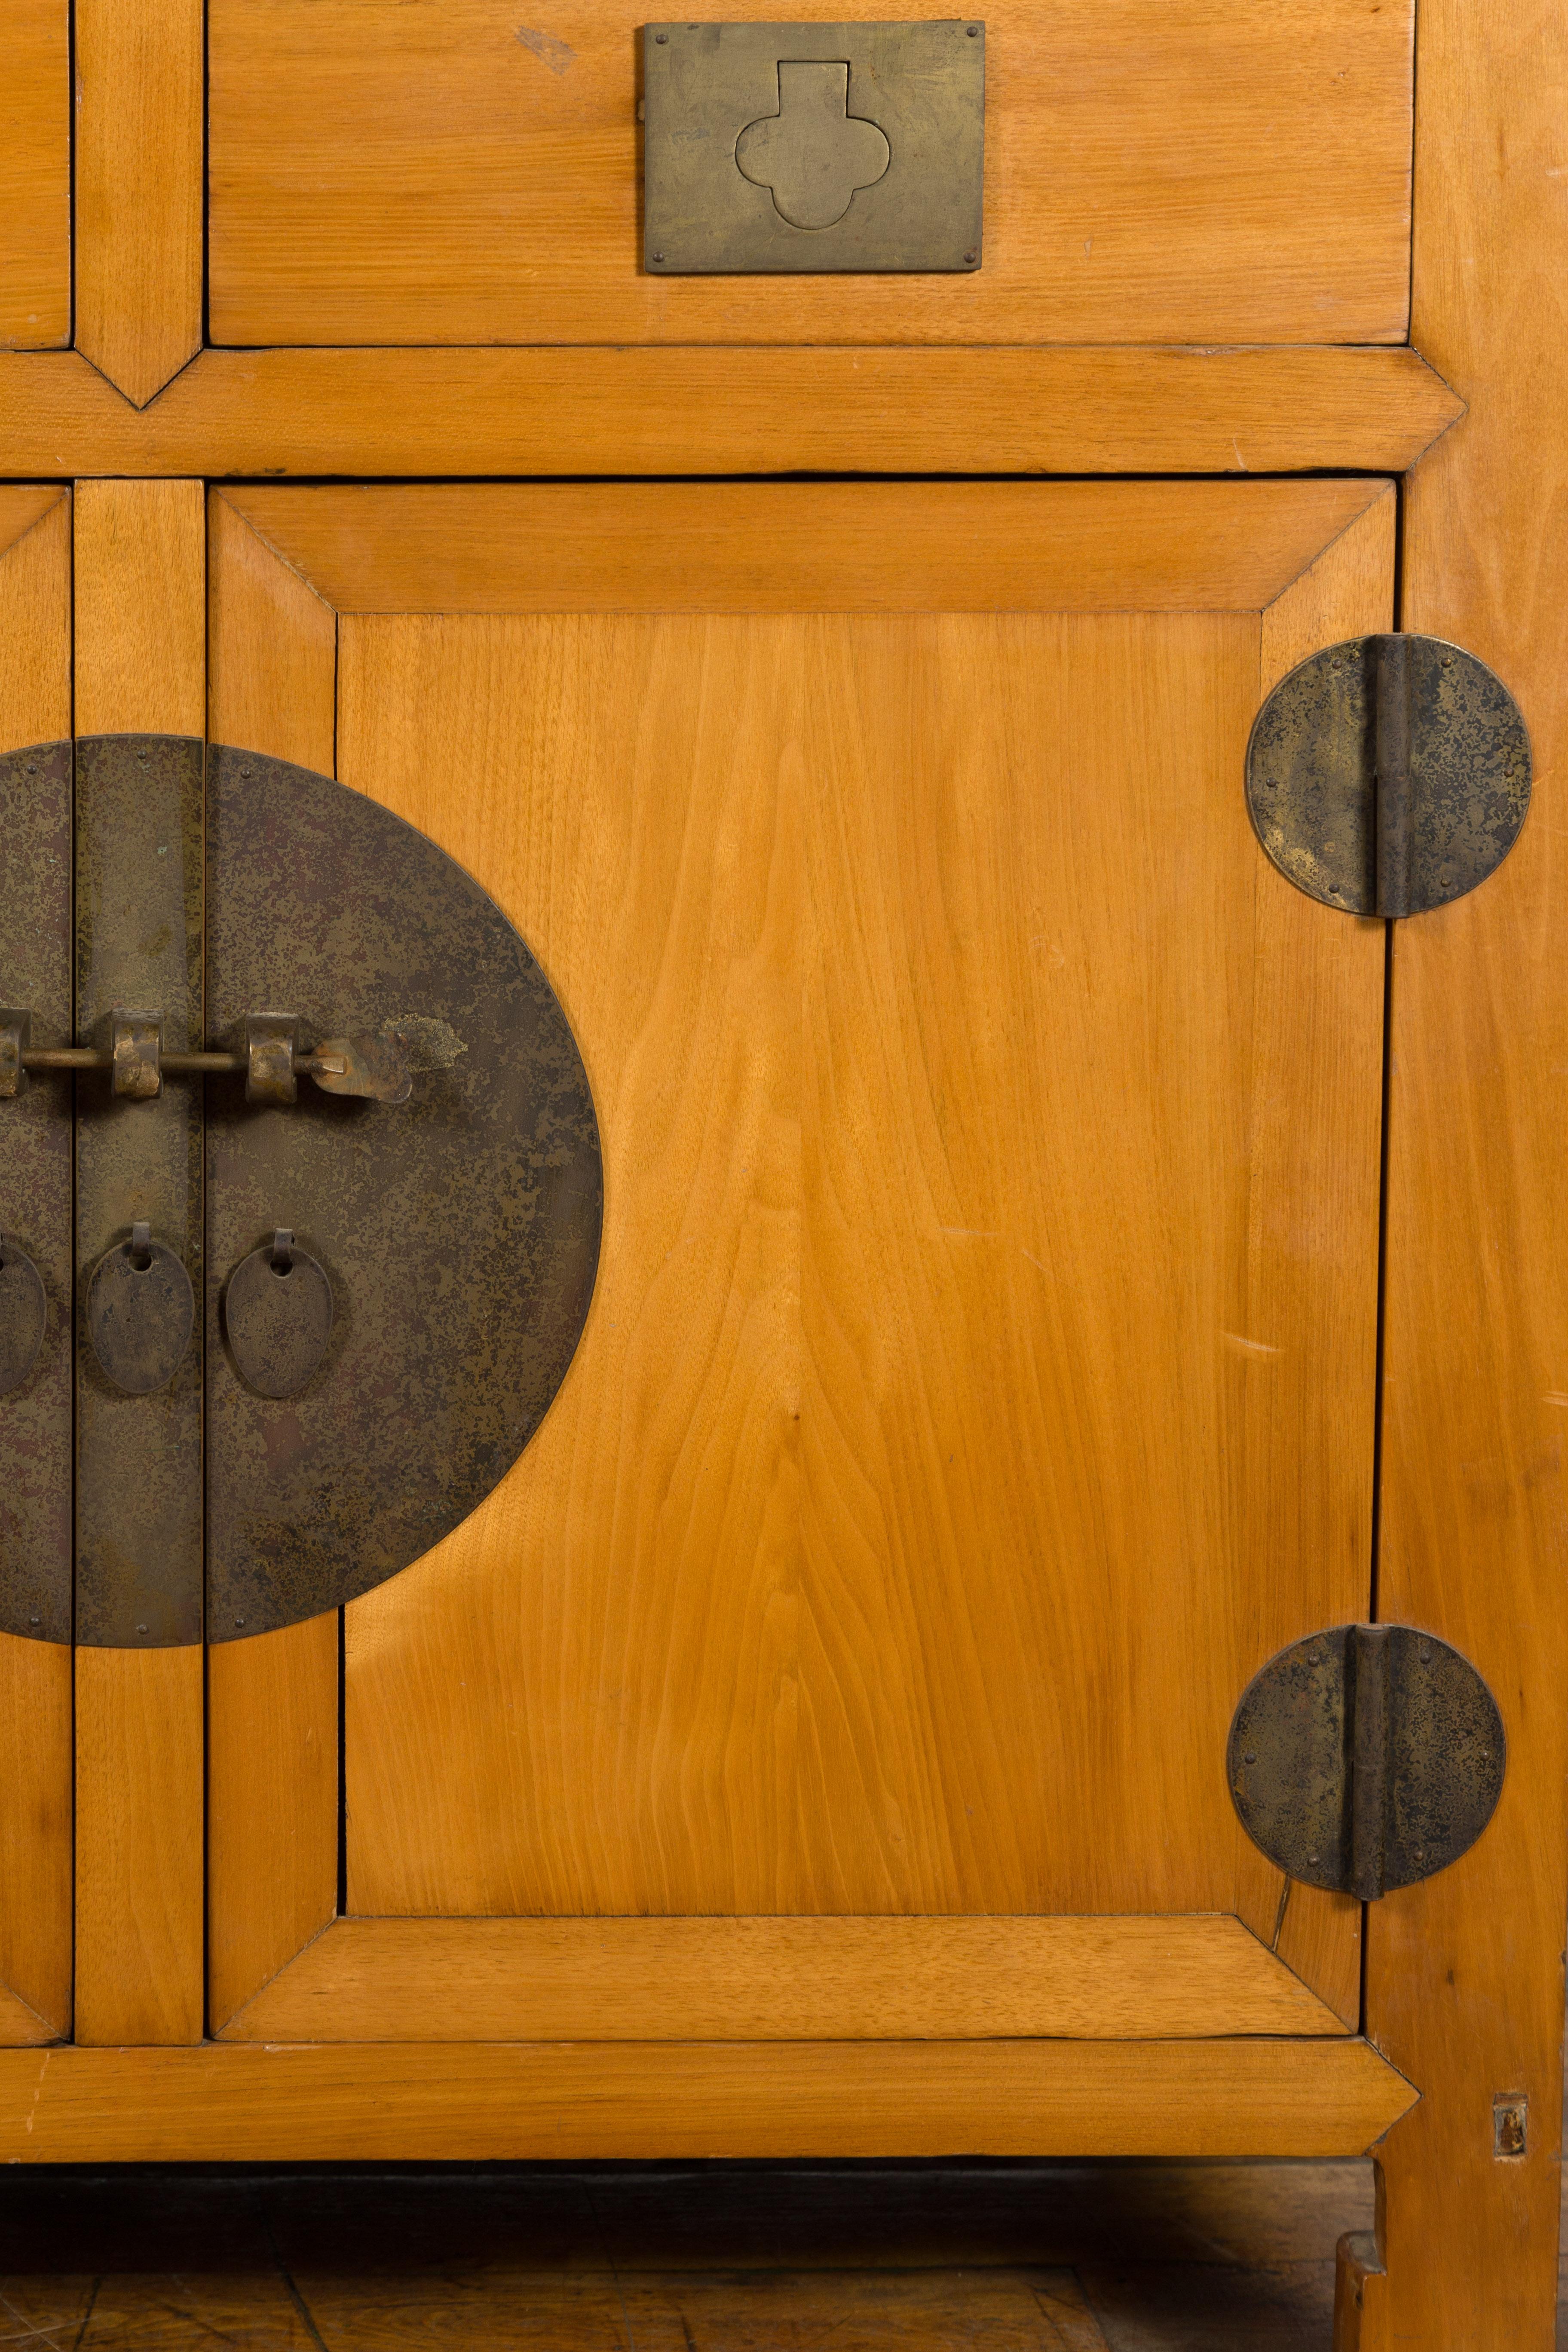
(35, 1676)
(1347, 591)
(272, 1703)
(140, 642)
(273, 1805)
(139, 1846)
(140, 105)
(141, 619)
(1465, 1977)
(35, 177)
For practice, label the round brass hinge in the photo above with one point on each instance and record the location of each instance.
(1365, 1758)
(1389, 775)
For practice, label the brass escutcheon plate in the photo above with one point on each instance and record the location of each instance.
(814, 148)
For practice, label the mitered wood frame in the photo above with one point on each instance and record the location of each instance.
(1026, 408)
(950, 1979)
(282, 563)
(140, 129)
(381, 2101)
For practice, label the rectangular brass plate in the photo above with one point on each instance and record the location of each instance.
(813, 147)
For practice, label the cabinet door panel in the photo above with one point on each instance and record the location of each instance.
(979, 1381)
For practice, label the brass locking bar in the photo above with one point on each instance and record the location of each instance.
(378, 1068)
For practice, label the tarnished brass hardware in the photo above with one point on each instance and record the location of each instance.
(458, 1228)
(24, 1314)
(15, 1037)
(140, 889)
(271, 1046)
(813, 155)
(36, 1432)
(136, 1054)
(468, 1124)
(381, 1068)
(1389, 775)
(141, 1311)
(278, 1316)
(814, 148)
(1365, 1758)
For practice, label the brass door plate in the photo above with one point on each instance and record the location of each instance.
(813, 147)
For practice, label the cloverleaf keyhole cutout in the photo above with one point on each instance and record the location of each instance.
(813, 153)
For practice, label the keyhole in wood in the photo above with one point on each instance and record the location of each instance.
(813, 154)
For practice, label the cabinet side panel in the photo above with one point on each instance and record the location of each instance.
(1464, 1972)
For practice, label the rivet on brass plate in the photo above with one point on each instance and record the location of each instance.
(814, 148)
(1389, 775)
(1366, 1758)
(277, 1314)
(139, 1311)
(24, 1314)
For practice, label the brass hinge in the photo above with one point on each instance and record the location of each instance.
(1365, 1758)
(1389, 775)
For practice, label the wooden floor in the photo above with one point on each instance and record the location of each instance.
(660, 2258)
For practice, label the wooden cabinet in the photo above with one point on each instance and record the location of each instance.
(1048, 1263)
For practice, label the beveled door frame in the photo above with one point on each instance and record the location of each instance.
(1314, 562)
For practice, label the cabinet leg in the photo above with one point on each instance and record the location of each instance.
(1464, 2256)
(1359, 2282)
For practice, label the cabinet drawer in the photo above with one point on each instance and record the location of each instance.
(433, 172)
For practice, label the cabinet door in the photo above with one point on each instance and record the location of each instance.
(36, 1273)
(979, 1382)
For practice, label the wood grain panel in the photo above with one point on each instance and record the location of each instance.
(139, 1846)
(272, 1797)
(139, 196)
(141, 619)
(272, 680)
(929, 547)
(1464, 1972)
(35, 615)
(781, 1980)
(758, 1623)
(141, 646)
(35, 176)
(379, 2102)
(386, 175)
(1093, 409)
(35, 1839)
(35, 1676)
